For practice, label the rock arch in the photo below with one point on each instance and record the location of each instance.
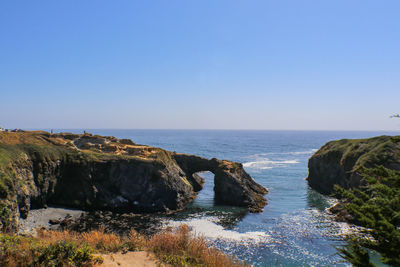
(232, 184)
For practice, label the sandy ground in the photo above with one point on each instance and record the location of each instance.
(131, 259)
(40, 219)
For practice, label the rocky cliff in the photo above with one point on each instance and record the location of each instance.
(95, 172)
(339, 162)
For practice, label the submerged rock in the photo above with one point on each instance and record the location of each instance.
(341, 213)
(339, 162)
(93, 172)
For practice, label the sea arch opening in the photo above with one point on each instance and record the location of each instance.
(206, 195)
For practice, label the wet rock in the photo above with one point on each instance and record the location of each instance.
(341, 213)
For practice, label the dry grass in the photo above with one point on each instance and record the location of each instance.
(181, 248)
(66, 248)
(98, 239)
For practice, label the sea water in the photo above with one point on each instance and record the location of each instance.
(294, 229)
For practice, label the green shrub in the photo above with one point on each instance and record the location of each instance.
(26, 251)
(6, 184)
(62, 253)
(5, 218)
(375, 206)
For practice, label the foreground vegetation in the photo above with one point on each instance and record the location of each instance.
(375, 206)
(66, 248)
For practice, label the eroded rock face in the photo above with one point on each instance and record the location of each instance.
(339, 162)
(104, 173)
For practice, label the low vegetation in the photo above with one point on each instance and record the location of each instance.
(26, 251)
(66, 248)
(181, 248)
(358, 153)
(375, 206)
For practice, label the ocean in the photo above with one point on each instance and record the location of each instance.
(294, 229)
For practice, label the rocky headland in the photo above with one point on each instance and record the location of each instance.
(339, 162)
(92, 172)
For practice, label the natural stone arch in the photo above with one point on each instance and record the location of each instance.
(232, 185)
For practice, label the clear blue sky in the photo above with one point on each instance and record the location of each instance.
(200, 64)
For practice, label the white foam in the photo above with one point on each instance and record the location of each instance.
(209, 229)
(305, 152)
(265, 163)
(311, 151)
(287, 162)
(265, 168)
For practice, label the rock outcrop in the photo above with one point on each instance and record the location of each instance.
(339, 162)
(104, 173)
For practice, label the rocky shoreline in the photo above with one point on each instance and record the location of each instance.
(103, 173)
(59, 218)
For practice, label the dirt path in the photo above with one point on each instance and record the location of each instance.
(131, 259)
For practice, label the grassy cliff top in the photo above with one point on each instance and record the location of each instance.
(55, 146)
(356, 153)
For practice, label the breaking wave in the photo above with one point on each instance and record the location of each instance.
(311, 151)
(265, 163)
(305, 152)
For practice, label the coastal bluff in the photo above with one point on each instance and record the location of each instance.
(338, 162)
(93, 172)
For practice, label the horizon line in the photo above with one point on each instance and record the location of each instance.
(210, 129)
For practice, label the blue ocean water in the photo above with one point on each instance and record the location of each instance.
(294, 228)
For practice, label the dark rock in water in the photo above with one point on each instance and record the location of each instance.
(93, 172)
(339, 162)
(341, 213)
